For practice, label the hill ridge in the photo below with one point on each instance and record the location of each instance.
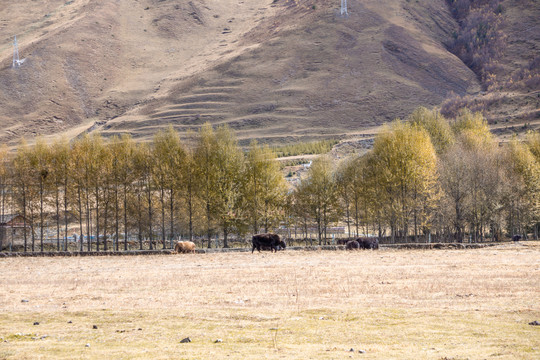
(274, 70)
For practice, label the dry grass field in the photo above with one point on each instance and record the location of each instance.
(438, 304)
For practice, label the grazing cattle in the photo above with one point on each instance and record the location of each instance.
(184, 247)
(278, 248)
(516, 237)
(267, 241)
(368, 243)
(352, 245)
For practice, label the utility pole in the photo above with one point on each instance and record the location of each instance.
(344, 11)
(16, 62)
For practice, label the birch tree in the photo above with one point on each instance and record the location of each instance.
(322, 195)
(404, 162)
(265, 188)
(206, 170)
(60, 180)
(229, 204)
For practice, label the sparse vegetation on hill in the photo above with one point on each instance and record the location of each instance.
(277, 71)
(497, 40)
(527, 78)
(280, 72)
(480, 40)
(309, 148)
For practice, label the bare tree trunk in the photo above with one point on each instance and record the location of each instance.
(32, 233)
(41, 213)
(139, 212)
(65, 214)
(106, 218)
(24, 218)
(266, 226)
(116, 217)
(162, 199)
(347, 205)
(190, 210)
(149, 198)
(57, 203)
(319, 226)
(366, 219)
(208, 224)
(3, 211)
(80, 218)
(225, 235)
(172, 218)
(255, 206)
(356, 215)
(325, 225)
(97, 218)
(88, 233)
(125, 219)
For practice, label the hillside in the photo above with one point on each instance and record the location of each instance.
(278, 71)
(511, 100)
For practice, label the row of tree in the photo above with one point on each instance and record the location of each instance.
(428, 176)
(118, 189)
(425, 177)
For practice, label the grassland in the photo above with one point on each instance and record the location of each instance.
(445, 304)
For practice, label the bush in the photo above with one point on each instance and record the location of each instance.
(526, 78)
(310, 148)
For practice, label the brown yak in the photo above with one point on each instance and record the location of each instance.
(185, 247)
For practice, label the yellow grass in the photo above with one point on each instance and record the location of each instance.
(439, 304)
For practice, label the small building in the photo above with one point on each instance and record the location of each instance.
(10, 226)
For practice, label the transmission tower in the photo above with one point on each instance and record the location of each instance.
(344, 11)
(16, 62)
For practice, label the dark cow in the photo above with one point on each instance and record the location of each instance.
(368, 243)
(268, 248)
(267, 241)
(516, 237)
(352, 245)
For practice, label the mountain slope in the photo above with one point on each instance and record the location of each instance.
(277, 70)
(510, 65)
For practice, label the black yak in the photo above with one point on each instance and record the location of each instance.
(352, 245)
(368, 243)
(267, 241)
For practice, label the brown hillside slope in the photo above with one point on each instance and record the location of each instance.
(511, 102)
(274, 70)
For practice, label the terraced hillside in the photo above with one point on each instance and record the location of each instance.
(306, 73)
(275, 70)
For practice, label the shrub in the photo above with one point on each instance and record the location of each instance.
(310, 148)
